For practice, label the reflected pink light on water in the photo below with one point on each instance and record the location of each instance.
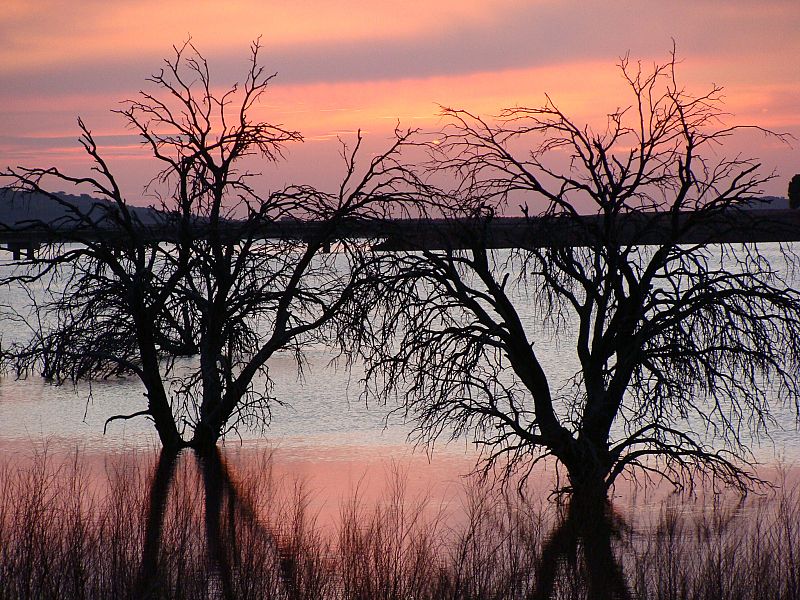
(330, 479)
(333, 477)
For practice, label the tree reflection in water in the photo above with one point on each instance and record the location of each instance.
(150, 576)
(187, 526)
(579, 551)
(230, 523)
(583, 540)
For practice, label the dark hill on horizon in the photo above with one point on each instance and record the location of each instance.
(18, 209)
(770, 203)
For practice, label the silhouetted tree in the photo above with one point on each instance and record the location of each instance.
(195, 276)
(681, 348)
(794, 192)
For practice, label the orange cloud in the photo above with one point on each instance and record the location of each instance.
(344, 65)
(51, 32)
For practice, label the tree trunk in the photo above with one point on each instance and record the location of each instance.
(204, 440)
(165, 426)
(589, 489)
(588, 468)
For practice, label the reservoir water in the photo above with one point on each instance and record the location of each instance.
(322, 411)
(333, 501)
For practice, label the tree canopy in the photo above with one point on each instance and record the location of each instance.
(679, 349)
(196, 317)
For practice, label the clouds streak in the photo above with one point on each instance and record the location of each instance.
(59, 59)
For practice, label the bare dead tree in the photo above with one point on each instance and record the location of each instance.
(681, 347)
(195, 277)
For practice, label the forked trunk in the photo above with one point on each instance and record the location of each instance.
(204, 440)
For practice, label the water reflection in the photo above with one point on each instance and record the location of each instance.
(583, 541)
(577, 552)
(150, 580)
(231, 526)
(230, 521)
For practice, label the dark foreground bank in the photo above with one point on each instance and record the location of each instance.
(176, 526)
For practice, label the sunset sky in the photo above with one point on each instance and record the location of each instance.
(347, 65)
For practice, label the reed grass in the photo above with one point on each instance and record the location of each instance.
(67, 531)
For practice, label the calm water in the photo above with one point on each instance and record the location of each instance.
(324, 412)
(336, 479)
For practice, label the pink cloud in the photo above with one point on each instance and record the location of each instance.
(343, 67)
